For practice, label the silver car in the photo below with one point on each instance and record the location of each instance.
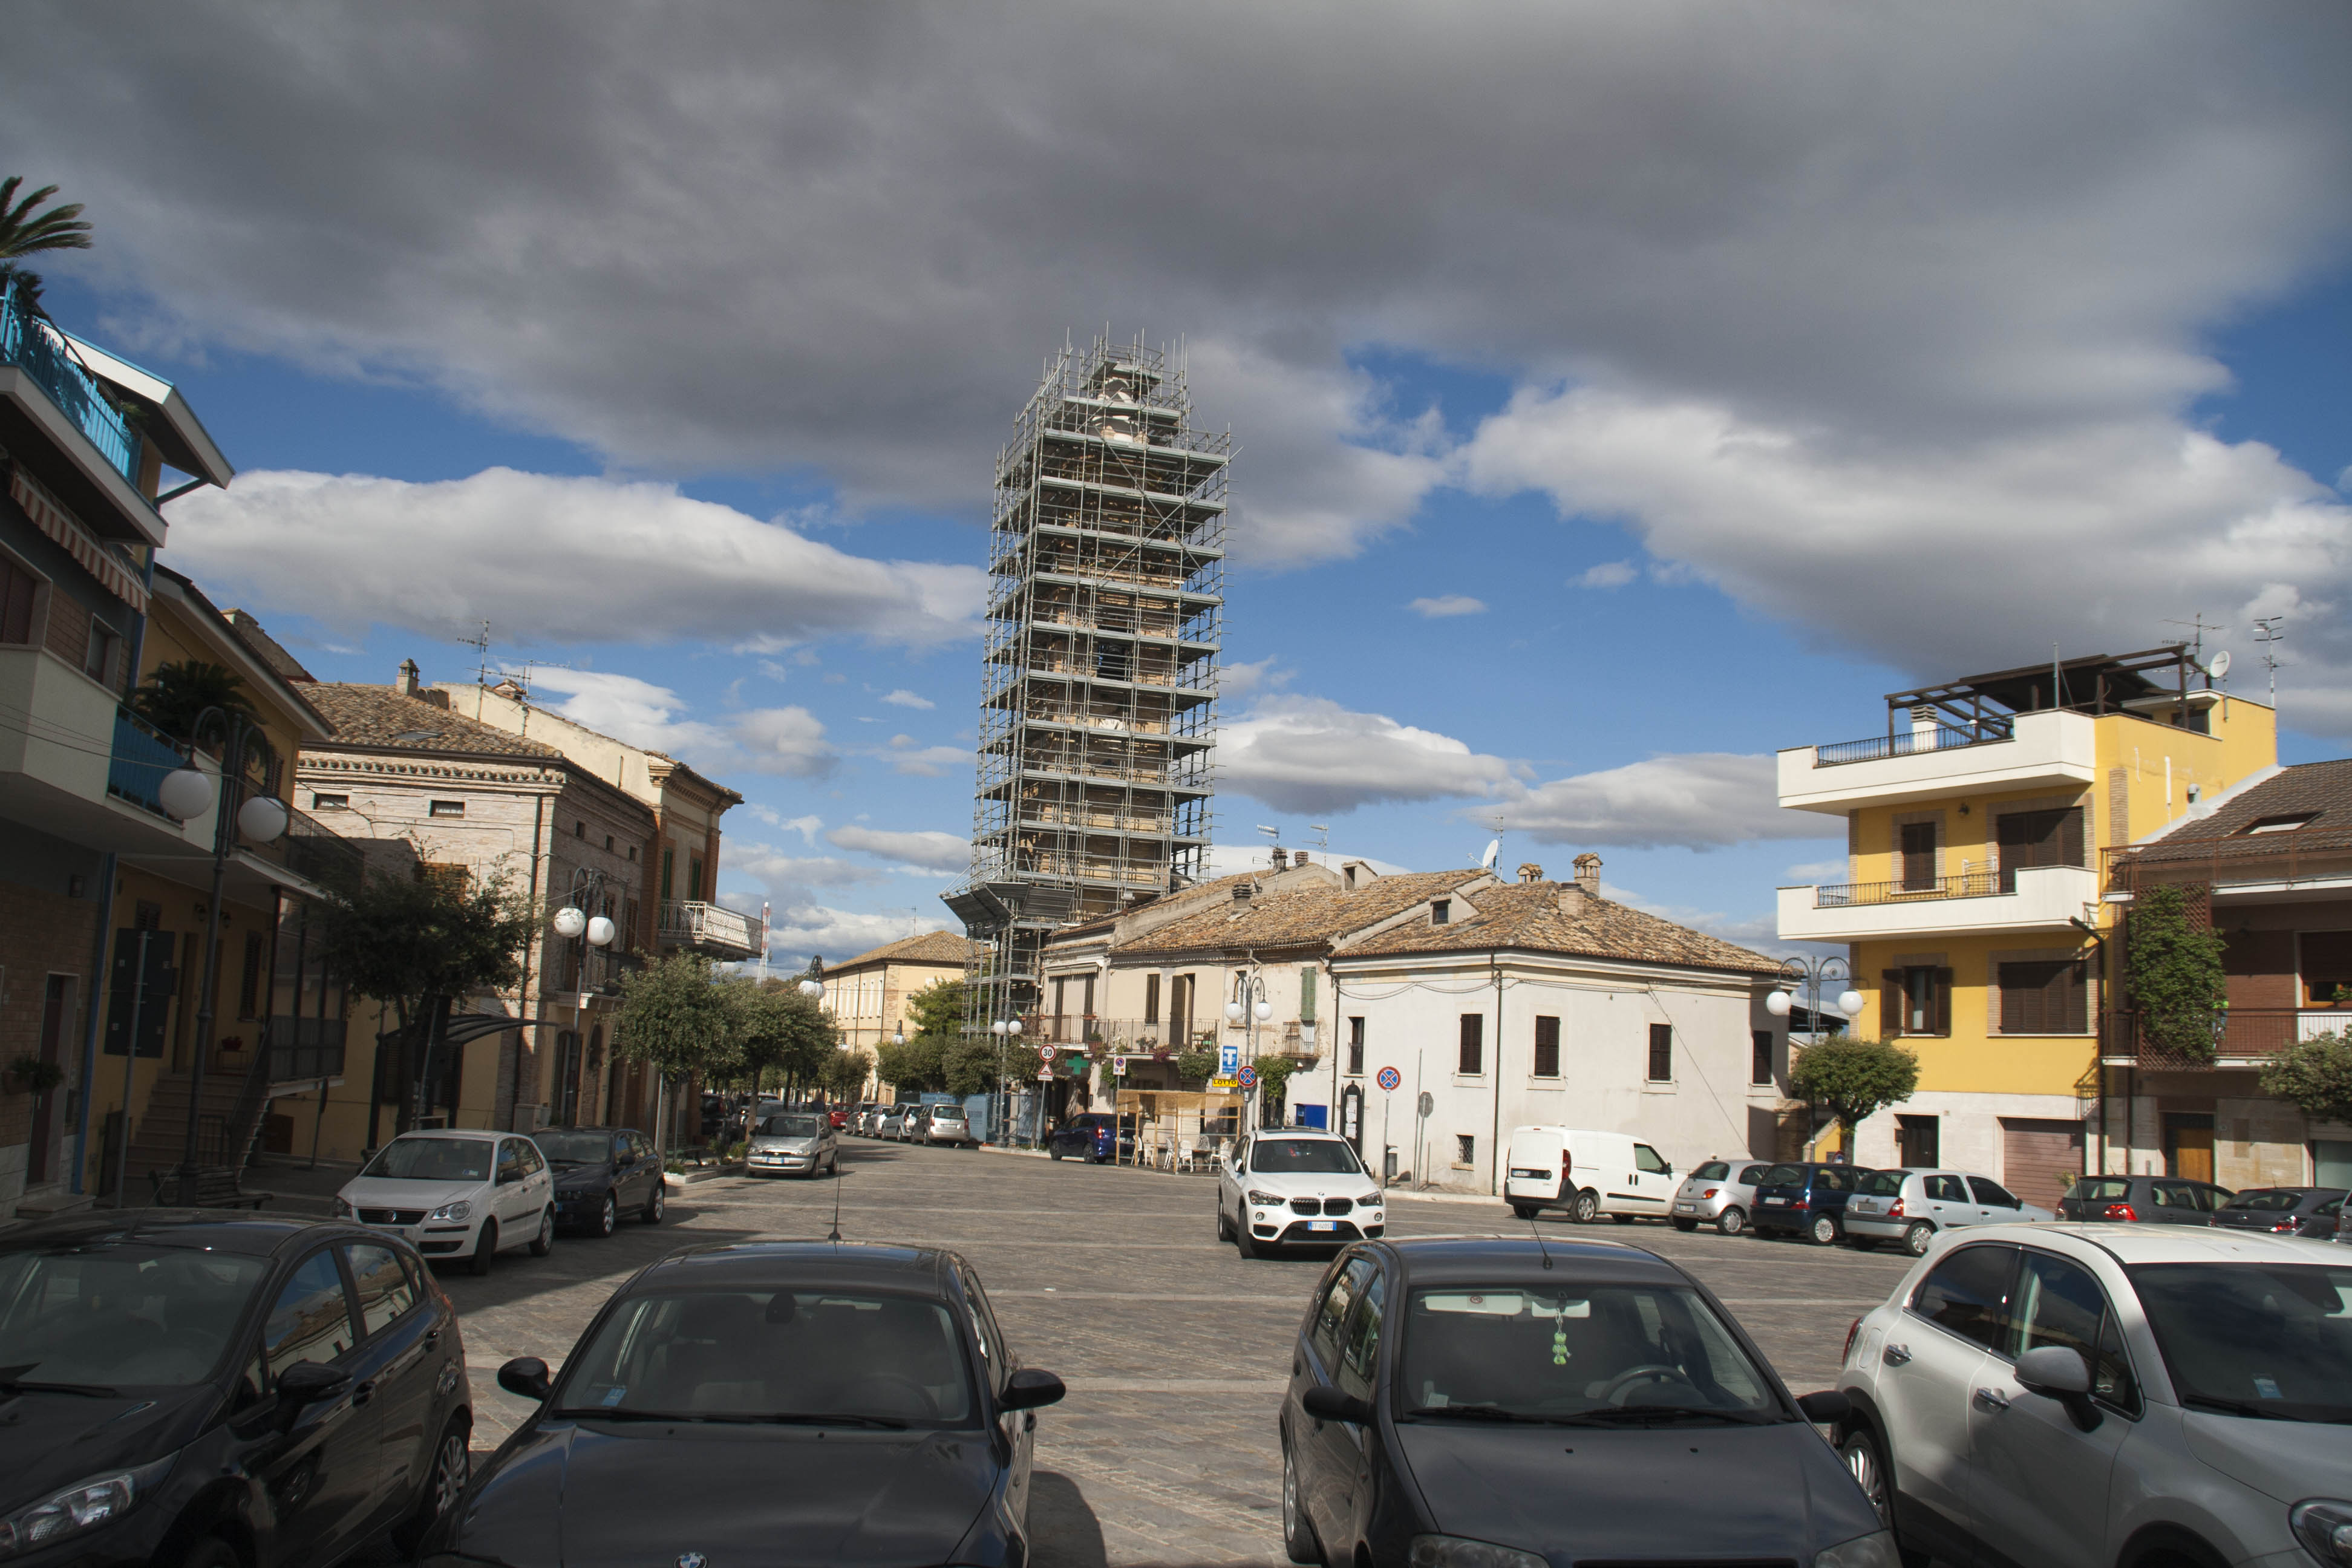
(946, 1124)
(1911, 1206)
(1719, 1193)
(793, 1143)
(893, 1122)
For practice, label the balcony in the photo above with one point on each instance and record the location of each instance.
(2310, 863)
(708, 928)
(41, 352)
(2054, 749)
(2249, 1037)
(2034, 897)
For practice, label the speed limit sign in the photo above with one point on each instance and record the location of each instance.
(1046, 1053)
(1389, 1078)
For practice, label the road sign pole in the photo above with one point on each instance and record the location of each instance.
(130, 1061)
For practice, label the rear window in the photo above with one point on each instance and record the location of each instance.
(1881, 1184)
(1713, 1171)
(2102, 1190)
(1782, 1176)
(2275, 1201)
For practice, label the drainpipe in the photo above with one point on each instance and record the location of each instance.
(1494, 1137)
(538, 826)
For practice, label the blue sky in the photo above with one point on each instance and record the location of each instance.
(1713, 416)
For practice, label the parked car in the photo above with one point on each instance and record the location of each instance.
(2284, 1211)
(893, 1122)
(861, 1120)
(1587, 1173)
(1279, 1187)
(795, 1144)
(1719, 1193)
(1435, 1385)
(2063, 1394)
(1805, 1199)
(203, 1389)
(819, 1401)
(838, 1116)
(2145, 1200)
(947, 1124)
(1911, 1204)
(602, 1173)
(452, 1193)
(1096, 1135)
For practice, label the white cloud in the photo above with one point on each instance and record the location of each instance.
(548, 558)
(1447, 605)
(786, 876)
(1702, 800)
(1606, 574)
(907, 756)
(1244, 680)
(905, 698)
(1310, 754)
(787, 741)
(929, 848)
(806, 826)
(1813, 871)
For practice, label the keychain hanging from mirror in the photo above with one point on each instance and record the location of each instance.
(1559, 1343)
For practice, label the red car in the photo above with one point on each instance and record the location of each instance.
(840, 1119)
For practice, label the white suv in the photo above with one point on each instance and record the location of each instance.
(1281, 1185)
(2082, 1396)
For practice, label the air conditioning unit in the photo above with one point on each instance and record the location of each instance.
(529, 1118)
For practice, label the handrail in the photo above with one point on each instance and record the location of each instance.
(42, 352)
(2239, 859)
(142, 755)
(2244, 1034)
(1909, 742)
(1966, 885)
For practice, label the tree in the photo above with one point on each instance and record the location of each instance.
(2178, 982)
(779, 1029)
(672, 1016)
(1272, 1077)
(25, 233)
(915, 1068)
(176, 695)
(845, 1076)
(2315, 1075)
(1855, 1079)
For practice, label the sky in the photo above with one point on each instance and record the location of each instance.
(1620, 394)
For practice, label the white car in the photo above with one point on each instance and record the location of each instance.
(1913, 1205)
(1281, 1186)
(2087, 1396)
(1719, 1193)
(454, 1194)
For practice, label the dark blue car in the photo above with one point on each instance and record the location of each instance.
(1097, 1136)
(1805, 1199)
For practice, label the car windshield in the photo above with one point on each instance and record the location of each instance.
(120, 1314)
(1596, 1354)
(1302, 1157)
(2275, 1201)
(1713, 1171)
(791, 1124)
(433, 1160)
(838, 1357)
(2248, 1339)
(574, 1147)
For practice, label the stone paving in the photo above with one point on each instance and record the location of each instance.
(1174, 1348)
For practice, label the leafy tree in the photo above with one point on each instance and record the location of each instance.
(1198, 1065)
(2178, 982)
(2315, 1075)
(1855, 1078)
(176, 695)
(672, 1016)
(915, 1068)
(845, 1076)
(1273, 1079)
(25, 233)
(778, 1029)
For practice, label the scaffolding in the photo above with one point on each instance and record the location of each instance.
(1098, 686)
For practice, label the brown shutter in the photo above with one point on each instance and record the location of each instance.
(1943, 1019)
(1890, 1006)
(2074, 998)
(2020, 999)
(2070, 837)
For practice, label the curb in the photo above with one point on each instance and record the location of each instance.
(705, 1174)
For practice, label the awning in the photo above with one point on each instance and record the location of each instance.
(100, 559)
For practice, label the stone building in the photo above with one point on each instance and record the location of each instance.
(866, 996)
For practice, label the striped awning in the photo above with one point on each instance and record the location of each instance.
(100, 559)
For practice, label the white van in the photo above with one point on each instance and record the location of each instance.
(1588, 1173)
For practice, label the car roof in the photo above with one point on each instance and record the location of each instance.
(880, 1265)
(1442, 1259)
(472, 1134)
(1263, 1134)
(253, 1235)
(2135, 1244)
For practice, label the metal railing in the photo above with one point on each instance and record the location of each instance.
(1966, 885)
(2241, 1034)
(305, 1049)
(41, 352)
(1908, 742)
(141, 756)
(698, 924)
(2238, 860)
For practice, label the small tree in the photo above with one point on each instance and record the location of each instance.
(672, 1016)
(845, 1076)
(176, 695)
(1198, 1065)
(1856, 1078)
(1273, 1079)
(778, 1028)
(2315, 1075)
(2178, 981)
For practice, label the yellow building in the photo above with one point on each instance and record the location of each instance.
(1972, 910)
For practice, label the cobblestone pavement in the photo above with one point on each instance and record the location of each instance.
(1174, 1348)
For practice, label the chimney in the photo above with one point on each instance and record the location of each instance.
(407, 684)
(1281, 857)
(1588, 873)
(1298, 857)
(1243, 890)
(1530, 873)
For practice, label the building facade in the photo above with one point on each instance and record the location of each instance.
(866, 997)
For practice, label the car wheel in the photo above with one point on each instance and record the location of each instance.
(1224, 1226)
(1245, 1243)
(608, 1216)
(1297, 1535)
(1622, 1218)
(444, 1484)
(1587, 1207)
(484, 1249)
(1731, 1222)
(544, 1242)
(1823, 1231)
(1525, 1211)
(1918, 1237)
(1052, 1150)
(652, 1213)
(1866, 1460)
(210, 1551)
(1686, 1226)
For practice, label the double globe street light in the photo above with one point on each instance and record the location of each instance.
(1814, 974)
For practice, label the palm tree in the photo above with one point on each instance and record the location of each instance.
(175, 696)
(25, 233)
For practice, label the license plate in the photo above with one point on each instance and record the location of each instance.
(1322, 1225)
(1686, 1208)
(1775, 1203)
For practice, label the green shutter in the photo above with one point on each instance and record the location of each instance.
(1306, 994)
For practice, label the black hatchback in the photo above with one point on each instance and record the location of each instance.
(206, 1391)
(1505, 1401)
(603, 1174)
(2284, 1211)
(1801, 1198)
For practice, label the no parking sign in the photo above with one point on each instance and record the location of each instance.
(1248, 1079)
(1389, 1078)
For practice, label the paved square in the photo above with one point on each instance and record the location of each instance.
(1175, 1349)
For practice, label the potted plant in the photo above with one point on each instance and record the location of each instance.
(31, 1075)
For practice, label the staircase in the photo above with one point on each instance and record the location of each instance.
(227, 1124)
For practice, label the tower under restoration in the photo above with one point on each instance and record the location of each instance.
(1098, 687)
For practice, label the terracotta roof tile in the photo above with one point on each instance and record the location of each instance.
(2320, 791)
(1303, 917)
(1552, 916)
(377, 718)
(925, 947)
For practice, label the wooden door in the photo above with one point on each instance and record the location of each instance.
(2189, 1146)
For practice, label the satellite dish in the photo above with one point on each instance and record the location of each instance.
(1486, 861)
(2220, 665)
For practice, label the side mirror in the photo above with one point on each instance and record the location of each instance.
(2061, 1372)
(1031, 1387)
(309, 1383)
(1826, 1409)
(1328, 1404)
(525, 1376)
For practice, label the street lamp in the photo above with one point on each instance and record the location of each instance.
(1250, 1002)
(1814, 974)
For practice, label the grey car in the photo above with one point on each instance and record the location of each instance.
(1911, 1204)
(945, 1124)
(795, 1144)
(2142, 1200)
(1720, 1193)
(893, 1124)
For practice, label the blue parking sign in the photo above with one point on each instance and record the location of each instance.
(1229, 1059)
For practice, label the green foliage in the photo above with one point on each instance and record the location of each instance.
(938, 1057)
(1855, 1078)
(674, 1017)
(845, 1076)
(1198, 1065)
(2315, 1075)
(400, 937)
(913, 1068)
(776, 1029)
(937, 1009)
(31, 1075)
(2177, 979)
(25, 233)
(1273, 1076)
(176, 695)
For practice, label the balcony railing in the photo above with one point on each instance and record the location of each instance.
(1877, 748)
(2242, 1035)
(2239, 859)
(1966, 885)
(305, 1049)
(41, 352)
(141, 757)
(696, 924)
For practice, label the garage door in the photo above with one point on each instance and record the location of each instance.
(2035, 1155)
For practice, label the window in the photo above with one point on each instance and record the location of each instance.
(2059, 1303)
(1332, 1312)
(1662, 1053)
(311, 1320)
(1356, 1047)
(1946, 1190)
(608, 844)
(1759, 1056)
(1151, 998)
(98, 658)
(1917, 852)
(1473, 1056)
(1991, 1194)
(1359, 1342)
(1547, 1047)
(1967, 1294)
(1713, 1171)
(331, 803)
(509, 1162)
(579, 829)
(444, 808)
(1648, 1159)
(1087, 996)
(669, 859)
(249, 985)
(2045, 997)
(1919, 1000)
(1440, 912)
(1465, 1149)
(633, 854)
(385, 1293)
(2260, 824)
(2028, 838)
(18, 590)
(694, 876)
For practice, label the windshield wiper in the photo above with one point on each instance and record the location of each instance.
(22, 1386)
(827, 1418)
(1636, 1414)
(2238, 1407)
(1475, 1413)
(734, 1417)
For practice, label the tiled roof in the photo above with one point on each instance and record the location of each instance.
(2320, 791)
(1552, 916)
(1302, 917)
(377, 718)
(945, 947)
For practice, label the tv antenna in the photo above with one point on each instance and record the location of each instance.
(480, 644)
(2268, 631)
(1322, 831)
(2198, 626)
(1494, 849)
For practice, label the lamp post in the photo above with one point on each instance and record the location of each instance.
(184, 793)
(1006, 1031)
(1814, 974)
(574, 924)
(1249, 1001)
